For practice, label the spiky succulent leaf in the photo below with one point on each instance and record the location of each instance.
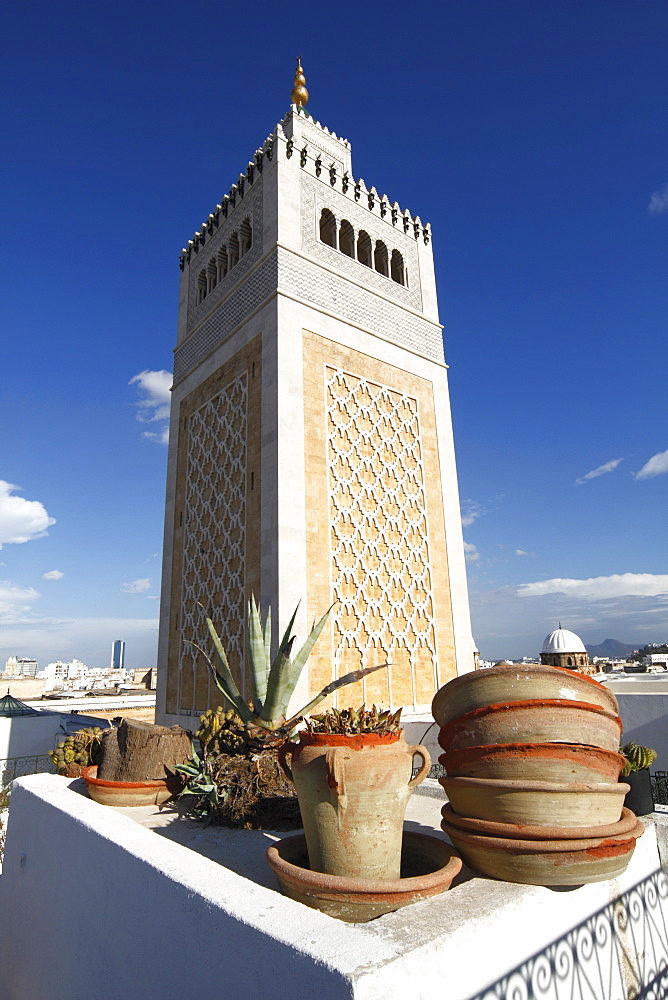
(223, 677)
(294, 668)
(350, 678)
(258, 660)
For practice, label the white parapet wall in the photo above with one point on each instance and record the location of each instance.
(95, 906)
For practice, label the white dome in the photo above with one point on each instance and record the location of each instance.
(563, 641)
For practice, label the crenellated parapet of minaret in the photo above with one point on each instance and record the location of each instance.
(320, 153)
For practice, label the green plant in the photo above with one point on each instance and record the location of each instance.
(200, 781)
(637, 757)
(273, 682)
(350, 721)
(82, 749)
(236, 779)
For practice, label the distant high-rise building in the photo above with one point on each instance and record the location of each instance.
(27, 666)
(117, 654)
(22, 666)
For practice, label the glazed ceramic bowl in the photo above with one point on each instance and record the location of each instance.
(546, 721)
(129, 793)
(522, 831)
(545, 862)
(428, 866)
(534, 761)
(536, 803)
(498, 685)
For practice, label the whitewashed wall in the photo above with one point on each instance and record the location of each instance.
(95, 907)
(30, 735)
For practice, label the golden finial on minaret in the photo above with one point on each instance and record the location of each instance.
(299, 94)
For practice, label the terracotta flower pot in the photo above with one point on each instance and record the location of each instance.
(536, 803)
(497, 685)
(353, 792)
(537, 721)
(545, 862)
(537, 761)
(522, 831)
(130, 793)
(428, 866)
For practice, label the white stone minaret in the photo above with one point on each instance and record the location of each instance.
(311, 456)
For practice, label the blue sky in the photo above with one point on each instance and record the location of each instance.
(532, 136)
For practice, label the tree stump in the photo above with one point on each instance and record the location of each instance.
(139, 751)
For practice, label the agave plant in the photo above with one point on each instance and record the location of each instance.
(273, 682)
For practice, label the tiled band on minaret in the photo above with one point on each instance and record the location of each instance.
(311, 455)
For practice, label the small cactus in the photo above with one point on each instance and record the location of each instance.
(76, 752)
(225, 728)
(637, 757)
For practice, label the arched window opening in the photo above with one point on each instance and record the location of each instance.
(347, 239)
(380, 258)
(364, 248)
(397, 269)
(245, 237)
(233, 251)
(570, 662)
(328, 228)
(222, 263)
(211, 275)
(201, 287)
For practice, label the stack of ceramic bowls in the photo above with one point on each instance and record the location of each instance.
(532, 770)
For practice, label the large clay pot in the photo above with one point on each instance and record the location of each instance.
(534, 761)
(353, 792)
(130, 793)
(496, 685)
(428, 866)
(523, 831)
(536, 803)
(545, 862)
(538, 721)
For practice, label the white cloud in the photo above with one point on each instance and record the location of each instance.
(600, 470)
(655, 466)
(137, 586)
(161, 438)
(470, 511)
(15, 602)
(21, 520)
(600, 588)
(471, 553)
(153, 405)
(521, 552)
(658, 203)
(53, 574)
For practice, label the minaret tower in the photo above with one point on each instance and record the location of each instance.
(311, 455)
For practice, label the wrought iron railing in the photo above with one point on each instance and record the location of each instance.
(619, 953)
(19, 767)
(660, 787)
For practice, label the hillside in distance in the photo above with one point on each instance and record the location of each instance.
(613, 648)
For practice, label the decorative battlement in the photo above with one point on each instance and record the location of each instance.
(322, 160)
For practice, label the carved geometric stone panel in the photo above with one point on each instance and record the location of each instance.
(379, 541)
(214, 530)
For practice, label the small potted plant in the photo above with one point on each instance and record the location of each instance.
(636, 772)
(353, 774)
(235, 778)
